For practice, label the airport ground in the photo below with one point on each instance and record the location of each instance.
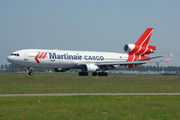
(89, 106)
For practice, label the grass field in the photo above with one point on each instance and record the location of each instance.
(151, 107)
(91, 107)
(72, 83)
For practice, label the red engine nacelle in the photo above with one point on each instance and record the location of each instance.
(139, 50)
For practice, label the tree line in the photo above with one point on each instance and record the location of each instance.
(17, 68)
(155, 68)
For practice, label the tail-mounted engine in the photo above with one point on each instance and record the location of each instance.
(139, 50)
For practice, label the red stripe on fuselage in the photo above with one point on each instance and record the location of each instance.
(44, 55)
(132, 57)
(41, 55)
(36, 58)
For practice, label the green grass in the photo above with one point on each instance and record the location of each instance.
(72, 83)
(91, 107)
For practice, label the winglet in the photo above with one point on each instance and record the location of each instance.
(168, 58)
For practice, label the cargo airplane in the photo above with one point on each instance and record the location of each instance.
(96, 63)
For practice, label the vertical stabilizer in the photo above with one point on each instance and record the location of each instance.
(144, 39)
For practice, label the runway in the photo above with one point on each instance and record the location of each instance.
(83, 94)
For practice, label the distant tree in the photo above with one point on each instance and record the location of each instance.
(11, 68)
(176, 69)
(6, 67)
(154, 68)
(157, 68)
(2, 67)
(150, 68)
(147, 68)
(173, 68)
(142, 68)
(161, 68)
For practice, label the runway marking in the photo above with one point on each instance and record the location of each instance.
(77, 94)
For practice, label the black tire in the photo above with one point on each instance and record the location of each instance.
(102, 74)
(105, 74)
(80, 73)
(94, 73)
(83, 73)
(99, 73)
(30, 73)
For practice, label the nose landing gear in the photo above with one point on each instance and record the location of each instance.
(30, 72)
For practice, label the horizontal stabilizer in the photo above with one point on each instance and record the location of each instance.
(168, 58)
(149, 58)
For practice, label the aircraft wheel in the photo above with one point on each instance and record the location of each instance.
(94, 73)
(86, 73)
(105, 74)
(80, 73)
(102, 74)
(30, 73)
(83, 73)
(99, 73)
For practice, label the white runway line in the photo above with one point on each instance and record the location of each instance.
(77, 94)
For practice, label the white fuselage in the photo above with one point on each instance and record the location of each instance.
(44, 58)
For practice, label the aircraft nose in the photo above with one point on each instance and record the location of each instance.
(9, 59)
(12, 59)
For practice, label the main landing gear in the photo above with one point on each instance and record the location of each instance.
(102, 74)
(93, 74)
(83, 73)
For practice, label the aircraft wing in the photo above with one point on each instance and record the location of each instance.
(138, 62)
(128, 63)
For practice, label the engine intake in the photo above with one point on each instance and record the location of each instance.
(129, 47)
(143, 50)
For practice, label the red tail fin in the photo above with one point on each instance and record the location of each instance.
(144, 39)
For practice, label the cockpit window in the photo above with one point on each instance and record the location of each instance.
(14, 54)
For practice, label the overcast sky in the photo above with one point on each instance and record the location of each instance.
(94, 25)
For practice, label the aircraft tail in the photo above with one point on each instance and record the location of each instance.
(144, 39)
(141, 47)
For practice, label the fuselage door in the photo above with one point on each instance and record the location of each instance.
(26, 59)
